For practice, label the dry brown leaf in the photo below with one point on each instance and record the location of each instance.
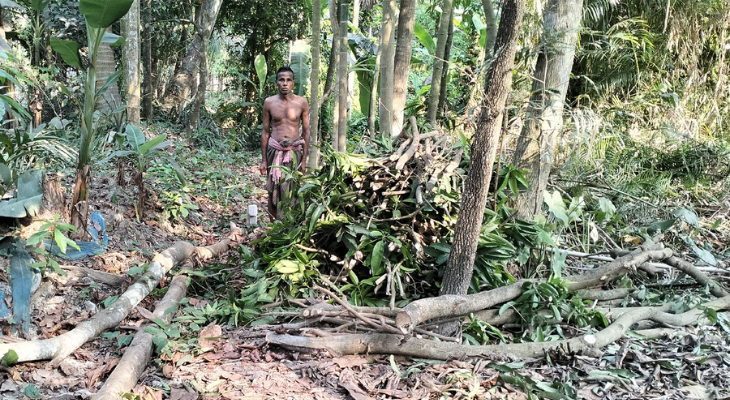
(182, 394)
(350, 361)
(145, 313)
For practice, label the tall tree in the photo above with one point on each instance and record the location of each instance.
(130, 23)
(491, 28)
(402, 65)
(387, 60)
(438, 65)
(544, 122)
(186, 79)
(329, 81)
(342, 79)
(445, 74)
(147, 69)
(474, 196)
(313, 161)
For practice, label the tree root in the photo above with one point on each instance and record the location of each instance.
(134, 361)
(61, 346)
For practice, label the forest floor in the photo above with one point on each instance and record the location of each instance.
(210, 361)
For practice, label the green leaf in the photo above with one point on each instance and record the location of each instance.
(556, 206)
(376, 264)
(68, 49)
(108, 82)
(135, 137)
(261, 70)
(28, 200)
(32, 391)
(9, 359)
(315, 217)
(5, 174)
(425, 38)
(103, 13)
(12, 4)
(152, 143)
(112, 39)
(38, 5)
(60, 240)
(300, 66)
(688, 216)
(660, 226)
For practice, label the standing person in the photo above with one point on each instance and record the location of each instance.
(285, 115)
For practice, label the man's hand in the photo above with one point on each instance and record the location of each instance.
(262, 167)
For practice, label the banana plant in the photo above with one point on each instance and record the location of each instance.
(142, 152)
(99, 14)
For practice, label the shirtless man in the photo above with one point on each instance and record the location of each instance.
(281, 143)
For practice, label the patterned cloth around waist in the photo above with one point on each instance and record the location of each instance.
(284, 151)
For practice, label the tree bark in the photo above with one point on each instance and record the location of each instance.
(148, 83)
(544, 122)
(313, 161)
(329, 84)
(438, 65)
(474, 199)
(194, 119)
(374, 97)
(387, 60)
(402, 64)
(185, 80)
(445, 74)
(132, 62)
(342, 80)
(105, 67)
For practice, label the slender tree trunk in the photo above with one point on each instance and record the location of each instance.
(313, 161)
(132, 61)
(148, 87)
(194, 119)
(445, 75)
(438, 65)
(334, 10)
(544, 122)
(185, 80)
(457, 275)
(342, 80)
(491, 28)
(387, 66)
(402, 65)
(374, 96)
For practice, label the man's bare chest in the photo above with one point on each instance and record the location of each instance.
(289, 113)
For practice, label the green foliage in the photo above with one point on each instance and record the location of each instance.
(174, 205)
(54, 230)
(28, 199)
(542, 306)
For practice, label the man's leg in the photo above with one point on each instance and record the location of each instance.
(271, 207)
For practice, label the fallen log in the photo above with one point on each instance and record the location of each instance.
(135, 359)
(426, 309)
(383, 343)
(61, 346)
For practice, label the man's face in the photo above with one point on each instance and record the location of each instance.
(285, 82)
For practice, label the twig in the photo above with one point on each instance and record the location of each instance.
(411, 215)
(354, 313)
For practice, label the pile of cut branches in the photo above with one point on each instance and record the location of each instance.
(378, 226)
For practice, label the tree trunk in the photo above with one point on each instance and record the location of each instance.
(445, 75)
(342, 80)
(131, 62)
(387, 60)
(194, 119)
(313, 161)
(544, 122)
(491, 29)
(438, 65)
(105, 67)
(374, 96)
(474, 198)
(185, 80)
(148, 87)
(402, 65)
(329, 84)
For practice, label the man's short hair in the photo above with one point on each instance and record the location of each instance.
(285, 68)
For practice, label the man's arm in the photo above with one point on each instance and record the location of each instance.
(305, 133)
(265, 133)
